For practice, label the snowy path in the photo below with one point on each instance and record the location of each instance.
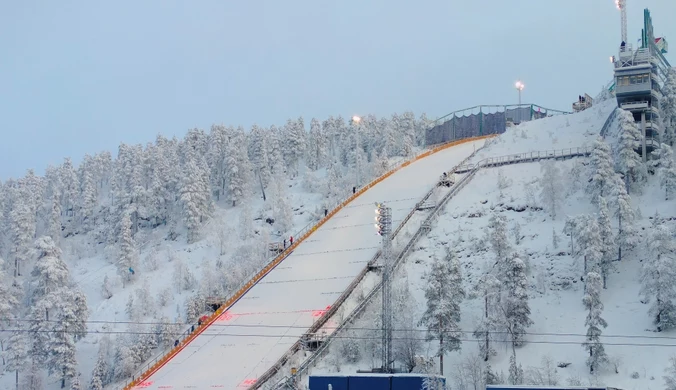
(262, 325)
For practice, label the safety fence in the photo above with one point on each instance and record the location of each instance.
(470, 171)
(320, 322)
(483, 120)
(158, 362)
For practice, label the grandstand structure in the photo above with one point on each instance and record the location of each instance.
(640, 74)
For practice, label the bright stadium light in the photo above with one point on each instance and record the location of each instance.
(519, 86)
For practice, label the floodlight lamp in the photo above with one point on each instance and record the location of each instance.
(519, 85)
(356, 119)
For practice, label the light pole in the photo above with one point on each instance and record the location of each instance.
(384, 228)
(519, 86)
(355, 122)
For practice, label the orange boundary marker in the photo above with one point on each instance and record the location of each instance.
(174, 351)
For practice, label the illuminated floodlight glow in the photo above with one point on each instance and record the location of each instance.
(519, 85)
(356, 119)
(225, 317)
(247, 383)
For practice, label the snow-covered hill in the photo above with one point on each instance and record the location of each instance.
(552, 352)
(148, 235)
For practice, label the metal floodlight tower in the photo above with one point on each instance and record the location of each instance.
(519, 86)
(384, 227)
(622, 6)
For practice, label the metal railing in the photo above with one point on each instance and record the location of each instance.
(609, 121)
(527, 157)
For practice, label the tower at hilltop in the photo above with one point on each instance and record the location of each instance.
(640, 74)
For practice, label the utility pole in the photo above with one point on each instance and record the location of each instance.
(384, 226)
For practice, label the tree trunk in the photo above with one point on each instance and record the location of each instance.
(619, 251)
(441, 348)
(16, 378)
(487, 345)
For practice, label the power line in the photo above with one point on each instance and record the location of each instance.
(264, 326)
(348, 337)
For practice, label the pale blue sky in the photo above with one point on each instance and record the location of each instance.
(79, 77)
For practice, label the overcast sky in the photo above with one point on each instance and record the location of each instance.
(79, 77)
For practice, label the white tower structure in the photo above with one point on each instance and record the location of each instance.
(622, 6)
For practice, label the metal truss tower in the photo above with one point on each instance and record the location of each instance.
(384, 226)
(622, 6)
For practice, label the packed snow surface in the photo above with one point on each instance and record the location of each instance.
(260, 327)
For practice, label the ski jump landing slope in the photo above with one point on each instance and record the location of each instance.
(259, 328)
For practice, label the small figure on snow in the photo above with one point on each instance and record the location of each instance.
(326, 212)
(285, 243)
(354, 190)
(176, 343)
(291, 240)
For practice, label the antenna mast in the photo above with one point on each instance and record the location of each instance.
(622, 6)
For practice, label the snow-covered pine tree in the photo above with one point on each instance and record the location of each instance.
(658, 277)
(498, 238)
(128, 255)
(70, 187)
(444, 293)
(22, 228)
(282, 211)
(594, 323)
(515, 307)
(195, 198)
(259, 153)
(406, 343)
(601, 171)
(608, 241)
(16, 352)
(668, 106)
(294, 144)
(89, 195)
(407, 129)
(99, 373)
(75, 383)
(33, 379)
(627, 238)
(238, 167)
(551, 186)
(628, 162)
(8, 299)
(515, 371)
(316, 148)
(667, 170)
(590, 244)
(422, 125)
(61, 348)
(488, 289)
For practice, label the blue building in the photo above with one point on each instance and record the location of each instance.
(373, 382)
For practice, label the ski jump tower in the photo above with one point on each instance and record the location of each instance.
(639, 76)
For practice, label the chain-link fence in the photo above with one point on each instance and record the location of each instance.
(483, 120)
